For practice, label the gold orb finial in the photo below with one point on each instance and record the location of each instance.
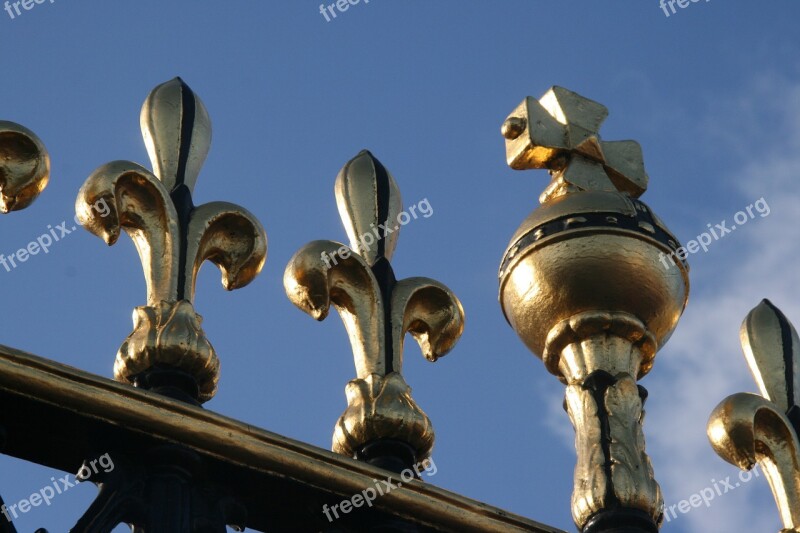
(583, 286)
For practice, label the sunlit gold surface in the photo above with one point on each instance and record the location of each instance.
(591, 270)
(631, 472)
(142, 203)
(762, 337)
(558, 132)
(617, 343)
(356, 191)
(168, 334)
(584, 285)
(747, 429)
(141, 206)
(620, 345)
(24, 167)
(165, 112)
(379, 401)
(381, 407)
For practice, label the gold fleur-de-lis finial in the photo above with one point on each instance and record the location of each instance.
(168, 350)
(377, 311)
(559, 132)
(748, 429)
(24, 167)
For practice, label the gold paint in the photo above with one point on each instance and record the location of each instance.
(381, 407)
(618, 344)
(168, 334)
(356, 192)
(631, 472)
(141, 206)
(142, 203)
(747, 429)
(590, 479)
(24, 167)
(558, 132)
(583, 285)
(430, 312)
(379, 401)
(761, 336)
(161, 120)
(351, 288)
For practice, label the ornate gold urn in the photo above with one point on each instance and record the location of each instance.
(594, 284)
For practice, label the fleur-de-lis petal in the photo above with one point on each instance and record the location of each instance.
(747, 429)
(377, 311)
(772, 350)
(230, 237)
(430, 312)
(173, 238)
(369, 199)
(312, 284)
(177, 133)
(139, 204)
(24, 167)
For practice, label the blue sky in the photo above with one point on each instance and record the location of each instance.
(711, 92)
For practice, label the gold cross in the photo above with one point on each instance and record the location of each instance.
(559, 132)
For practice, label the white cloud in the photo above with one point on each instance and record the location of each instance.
(703, 363)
